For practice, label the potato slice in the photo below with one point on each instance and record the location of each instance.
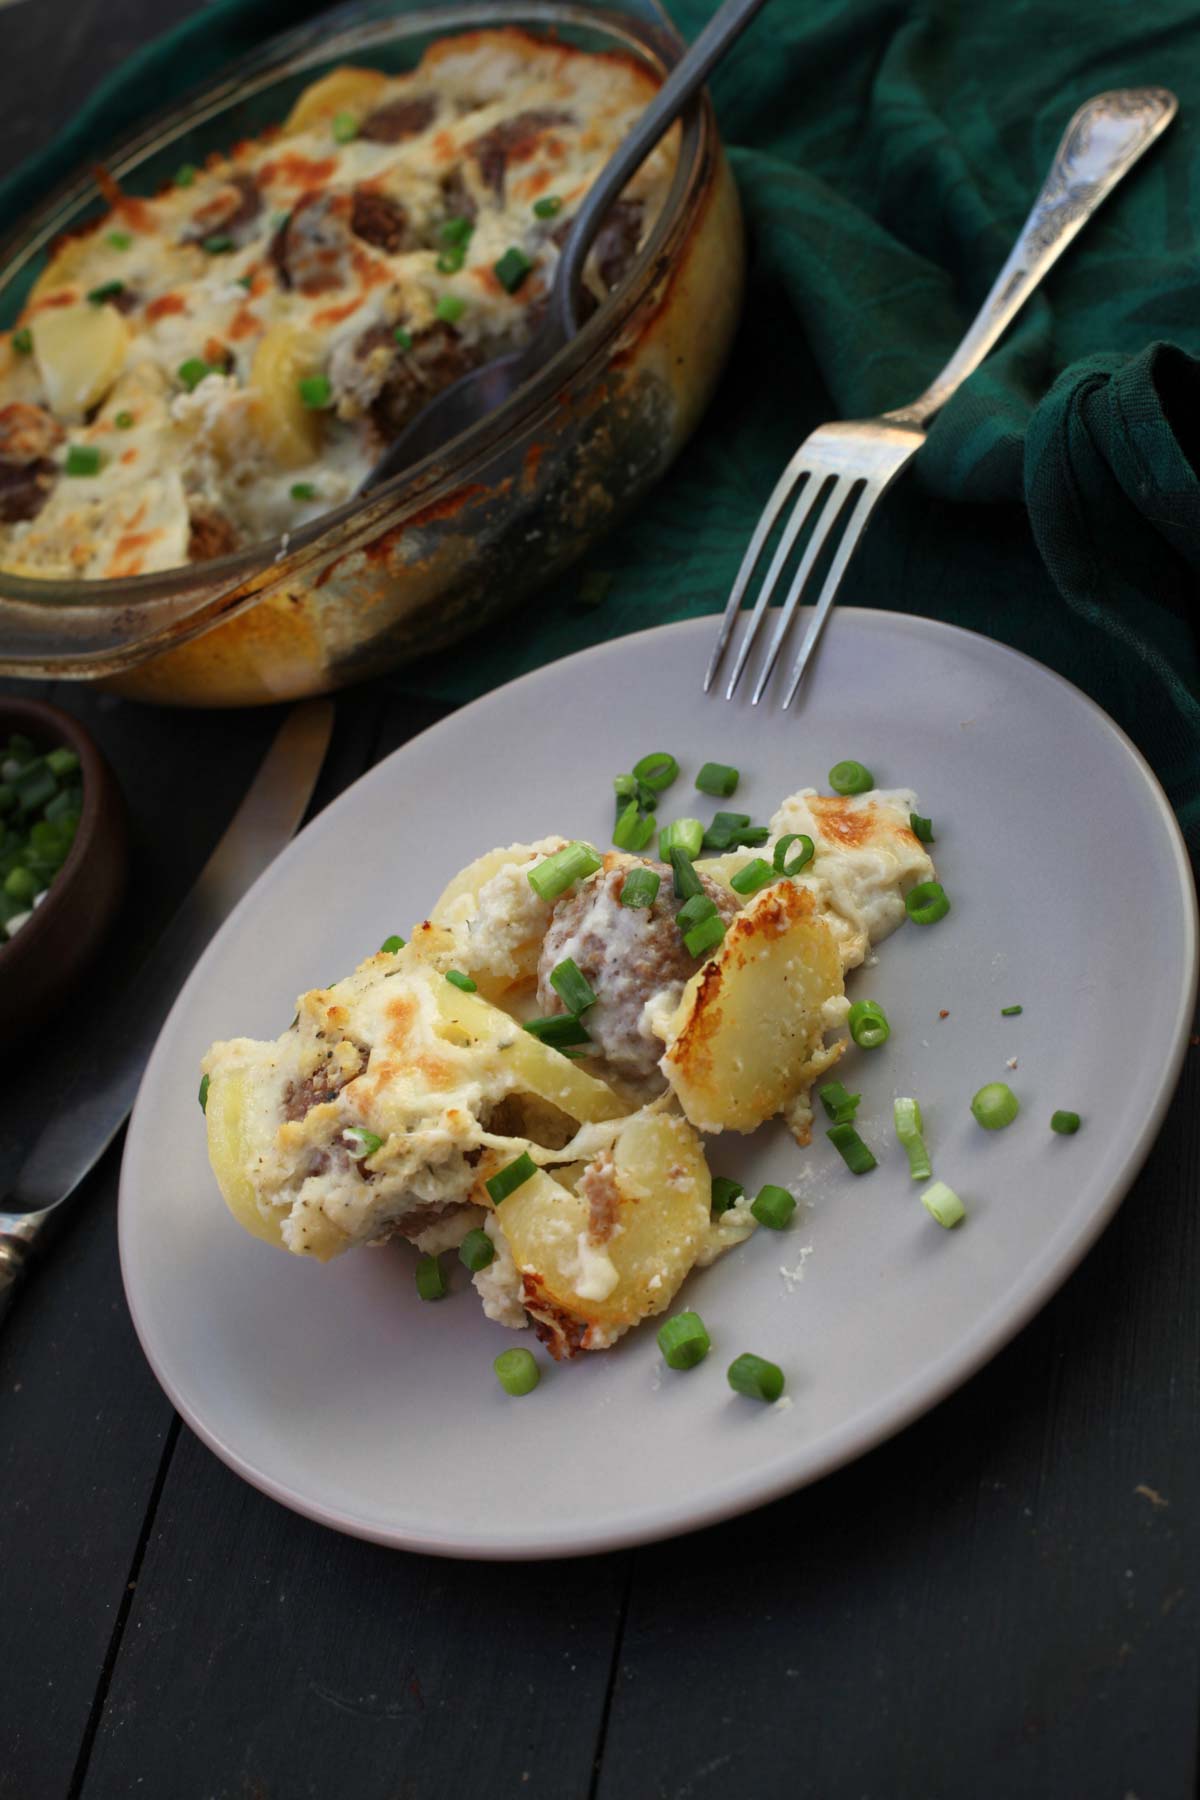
(236, 1139)
(743, 1039)
(79, 351)
(349, 89)
(658, 1193)
(533, 1065)
(291, 430)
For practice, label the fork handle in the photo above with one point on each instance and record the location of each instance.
(18, 1238)
(1103, 141)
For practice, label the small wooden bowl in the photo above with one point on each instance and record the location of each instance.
(50, 952)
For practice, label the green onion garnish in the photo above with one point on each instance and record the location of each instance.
(314, 391)
(995, 1106)
(457, 979)
(725, 1193)
(687, 883)
(717, 779)
(451, 259)
(559, 1030)
(512, 268)
(755, 1376)
(303, 490)
(345, 128)
(839, 1105)
(118, 240)
(658, 770)
(1010, 1012)
(694, 910)
(61, 762)
(572, 987)
(476, 1251)
(362, 1142)
(868, 1026)
(21, 885)
(83, 459)
(1067, 1123)
(403, 337)
(392, 944)
(123, 421)
(553, 877)
(450, 309)
(632, 831)
(684, 1341)
(943, 1204)
(186, 174)
(926, 903)
(547, 206)
(516, 1371)
(851, 778)
(513, 1175)
(755, 875)
(22, 341)
(681, 834)
(108, 290)
(851, 1149)
(245, 281)
(803, 855)
(219, 244)
(431, 1283)
(640, 888)
(456, 230)
(909, 1127)
(625, 787)
(203, 1096)
(773, 1206)
(921, 828)
(192, 372)
(731, 831)
(704, 937)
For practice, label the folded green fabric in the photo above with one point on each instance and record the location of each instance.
(887, 152)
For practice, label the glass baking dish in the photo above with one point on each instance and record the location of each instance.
(470, 531)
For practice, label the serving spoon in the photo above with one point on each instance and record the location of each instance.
(480, 391)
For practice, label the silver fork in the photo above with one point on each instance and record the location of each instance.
(842, 469)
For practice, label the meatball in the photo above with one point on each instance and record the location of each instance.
(627, 954)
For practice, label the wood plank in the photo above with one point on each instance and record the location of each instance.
(1001, 1602)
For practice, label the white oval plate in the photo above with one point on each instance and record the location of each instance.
(341, 1394)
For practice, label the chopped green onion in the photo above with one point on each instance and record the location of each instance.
(632, 831)
(755, 875)
(731, 831)
(909, 1127)
(725, 1193)
(572, 987)
(83, 459)
(457, 979)
(943, 1204)
(851, 1149)
(682, 834)
(431, 1283)
(926, 903)
(851, 778)
(868, 1026)
(118, 240)
(403, 338)
(186, 174)
(363, 1143)
(345, 128)
(203, 1096)
(517, 1372)
(33, 784)
(1010, 1012)
(658, 770)
(392, 944)
(61, 762)
(123, 421)
(547, 206)
(512, 268)
(219, 244)
(451, 259)
(450, 308)
(803, 855)
(303, 490)
(692, 911)
(314, 391)
(476, 1251)
(773, 1206)
(559, 1030)
(625, 787)
(22, 341)
(704, 937)
(513, 1175)
(717, 779)
(245, 281)
(1067, 1123)
(647, 797)
(640, 888)
(553, 877)
(839, 1105)
(921, 828)
(684, 1341)
(687, 883)
(456, 230)
(192, 372)
(995, 1106)
(755, 1376)
(108, 290)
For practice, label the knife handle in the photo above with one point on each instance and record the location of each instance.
(18, 1238)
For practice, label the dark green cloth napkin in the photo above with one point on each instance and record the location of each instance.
(887, 153)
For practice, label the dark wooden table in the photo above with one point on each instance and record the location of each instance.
(1001, 1603)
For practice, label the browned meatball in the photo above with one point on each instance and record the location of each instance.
(627, 954)
(28, 436)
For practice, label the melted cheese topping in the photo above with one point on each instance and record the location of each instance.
(357, 249)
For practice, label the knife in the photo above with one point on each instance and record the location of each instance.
(94, 1106)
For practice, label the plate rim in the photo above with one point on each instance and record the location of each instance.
(863, 1431)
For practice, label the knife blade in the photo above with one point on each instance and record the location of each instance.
(92, 1109)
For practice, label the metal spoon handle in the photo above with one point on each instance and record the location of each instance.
(726, 24)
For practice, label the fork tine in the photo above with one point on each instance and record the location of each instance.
(845, 550)
(804, 505)
(780, 494)
(829, 516)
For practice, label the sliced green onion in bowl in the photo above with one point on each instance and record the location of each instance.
(553, 877)
(683, 1341)
(718, 779)
(457, 979)
(431, 1282)
(850, 1147)
(1065, 1123)
(203, 1096)
(704, 937)
(687, 884)
(839, 1105)
(921, 828)
(757, 874)
(513, 1175)
(572, 986)
(640, 887)
(868, 1024)
(926, 903)
(773, 1206)
(517, 1371)
(851, 778)
(804, 855)
(909, 1130)
(725, 1193)
(559, 1030)
(943, 1204)
(363, 1143)
(476, 1250)
(658, 770)
(756, 1377)
(995, 1106)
